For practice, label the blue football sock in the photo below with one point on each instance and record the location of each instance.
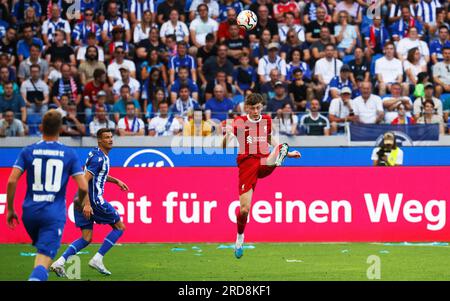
(39, 273)
(75, 247)
(110, 240)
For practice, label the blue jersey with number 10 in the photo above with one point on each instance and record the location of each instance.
(48, 164)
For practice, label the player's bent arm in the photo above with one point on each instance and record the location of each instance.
(82, 181)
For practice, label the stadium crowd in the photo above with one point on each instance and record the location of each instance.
(180, 67)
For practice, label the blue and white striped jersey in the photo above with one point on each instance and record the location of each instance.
(98, 165)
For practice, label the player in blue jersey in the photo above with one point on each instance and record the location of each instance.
(48, 165)
(94, 208)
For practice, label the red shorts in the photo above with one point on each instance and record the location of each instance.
(250, 169)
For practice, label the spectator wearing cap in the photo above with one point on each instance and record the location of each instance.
(388, 70)
(326, 69)
(418, 105)
(375, 36)
(271, 61)
(402, 117)
(182, 59)
(430, 116)
(10, 126)
(337, 83)
(314, 123)
(438, 45)
(119, 61)
(268, 88)
(215, 64)
(89, 65)
(201, 26)
(275, 104)
(413, 41)
(341, 110)
(100, 121)
(216, 108)
(359, 66)
(264, 22)
(53, 24)
(113, 19)
(441, 74)
(347, 35)
(126, 79)
(391, 103)
(34, 59)
(368, 108)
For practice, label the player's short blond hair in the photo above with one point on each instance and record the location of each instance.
(51, 123)
(254, 99)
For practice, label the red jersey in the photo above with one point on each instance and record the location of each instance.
(253, 136)
(90, 90)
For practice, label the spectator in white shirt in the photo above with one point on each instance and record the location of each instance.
(413, 65)
(100, 121)
(389, 70)
(412, 41)
(271, 61)
(114, 66)
(368, 107)
(289, 19)
(341, 111)
(326, 68)
(174, 27)
(131, 125)
(126, 79)
(441, 73)
(213, 8)
(163, 124)
(201, 26)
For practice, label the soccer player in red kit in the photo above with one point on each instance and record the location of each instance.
(254, 134)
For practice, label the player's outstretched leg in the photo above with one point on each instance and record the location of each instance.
(278, 155)
(58, 266)
(110, 240)
(241, 219)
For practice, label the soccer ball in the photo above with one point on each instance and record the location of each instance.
(247, 19)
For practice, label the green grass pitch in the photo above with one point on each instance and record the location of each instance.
(267, 261)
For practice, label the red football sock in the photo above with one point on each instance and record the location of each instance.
(241, 221)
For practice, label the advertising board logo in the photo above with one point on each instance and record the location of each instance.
(148, 158)
(2, 203)
(401, 138)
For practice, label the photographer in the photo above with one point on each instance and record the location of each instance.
(387, 153)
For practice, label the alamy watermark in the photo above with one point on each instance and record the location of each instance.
(374, 270)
